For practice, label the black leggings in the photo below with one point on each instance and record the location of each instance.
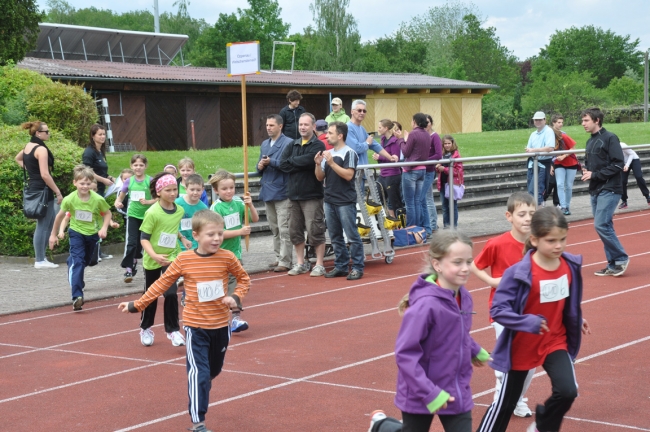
(170, 307)
(559, 367)
(133, 248)
(422, 423)
(393, 189)
(635, 167)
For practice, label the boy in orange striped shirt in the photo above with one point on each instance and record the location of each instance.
(207, 307)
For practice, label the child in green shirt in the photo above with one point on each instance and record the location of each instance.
(85, 207)
(232, 209)
(191, 203)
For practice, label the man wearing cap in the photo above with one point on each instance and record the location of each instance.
(338, 113)
(541, 140)
(321, 131)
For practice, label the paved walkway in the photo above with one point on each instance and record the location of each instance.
(25, 289)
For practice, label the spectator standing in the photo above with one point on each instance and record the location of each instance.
(603, 168)
(428, 210)
(38, 161)
(632, 160)
(390, 178)
(291, 114)
(321, 131)
(337, 113)
(273, 191)
(305, 194)
(94, 156)
(337, 167)
(450, 150)
(415, 148)
(541, 140)
(565, 166)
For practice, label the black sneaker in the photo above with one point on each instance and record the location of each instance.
(355, 274)
(616, 271)
(128, 277)
(77, 303)
(336, 273)
(623, 205)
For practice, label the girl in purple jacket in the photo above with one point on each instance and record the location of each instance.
(538, 304)
(434, 350)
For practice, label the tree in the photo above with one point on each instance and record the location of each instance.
(337, 39)
(603, 54)
(482, 57)
(261, 21)
(625, 91)
(395, 53)
(18, 29)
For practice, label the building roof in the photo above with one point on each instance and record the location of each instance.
(70, 42)
(130, 72)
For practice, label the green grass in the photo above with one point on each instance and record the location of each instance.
(470, 145)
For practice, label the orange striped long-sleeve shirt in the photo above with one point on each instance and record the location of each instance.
(206, 283)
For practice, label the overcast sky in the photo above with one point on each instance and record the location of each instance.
(524, 26)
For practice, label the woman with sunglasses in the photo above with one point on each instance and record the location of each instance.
(95, 157)
(38, 160)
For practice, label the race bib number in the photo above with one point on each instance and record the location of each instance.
(186, 224)
(209, 291)
(83, 216)
(232, 220)
(137, 195)
(167, 240)
(553, 290)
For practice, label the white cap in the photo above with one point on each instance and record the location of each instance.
(539, 115)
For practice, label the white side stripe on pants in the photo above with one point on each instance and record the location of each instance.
(495, 408)
(192, 378)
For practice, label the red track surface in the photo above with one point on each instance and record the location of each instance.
(318, 355)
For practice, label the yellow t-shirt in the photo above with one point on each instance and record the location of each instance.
(304, 142)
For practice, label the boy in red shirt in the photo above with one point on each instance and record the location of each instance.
(500, 253)
(321, 131)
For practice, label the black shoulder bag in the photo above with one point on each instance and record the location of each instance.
(34, 201)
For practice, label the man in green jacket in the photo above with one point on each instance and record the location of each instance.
(338, 113)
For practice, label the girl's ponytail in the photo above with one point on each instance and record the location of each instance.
(403, 305)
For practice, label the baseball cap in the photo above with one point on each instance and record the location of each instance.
(539, 115)
(321, 125)
(337, 101)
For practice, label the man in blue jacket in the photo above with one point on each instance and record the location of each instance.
(274, 192)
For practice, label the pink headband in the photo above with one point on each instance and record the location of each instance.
(165, 181)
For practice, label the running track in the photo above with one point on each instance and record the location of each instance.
(318, 355)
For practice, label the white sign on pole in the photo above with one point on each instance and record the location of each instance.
(243, 58)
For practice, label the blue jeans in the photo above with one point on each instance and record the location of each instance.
(564, 178)
(541, 183)
(81, 250)
(428, 212)
(412, 182)
(602, 207)
(446, 222)
(344, 219)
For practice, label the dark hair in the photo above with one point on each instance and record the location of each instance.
(519, 198)
(137, 156)
(420, 120)
(454, 146)
(294, 95)
(341, 128)
(276, 117)
(194, 179)
(93, 131)
(556, 117)
(33, 126)
(430, 119)
(595, 114)
(543, 221)
(154, 180)
(397, 125)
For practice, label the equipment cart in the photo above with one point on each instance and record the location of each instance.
(375, 222)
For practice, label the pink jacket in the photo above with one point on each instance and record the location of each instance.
(459, 172)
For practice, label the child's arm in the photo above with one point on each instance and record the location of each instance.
(64, 223)
(479, 355)
(114, 224)
(159, 258)
(164, 282)
(119, 200)
(484, 276)
(503, 312)
(107, 220)
(57, 222)
(251, 208)
(243, 282)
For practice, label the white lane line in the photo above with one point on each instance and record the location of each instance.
(616, 218)
(616, 293)
(607, 423)
(54, 315)
(598, 239)
(605, 262)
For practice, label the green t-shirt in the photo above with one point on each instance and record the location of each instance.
(136, 190)
(186, 222)
(83, 214)
(233, 217)
(163, 228)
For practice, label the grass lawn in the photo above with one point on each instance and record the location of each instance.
(471, 144)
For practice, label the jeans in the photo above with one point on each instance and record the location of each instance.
(564, 178)
(412, 182)
(428, 212)
(602, 207)
(446, 222)
(343, 218)
(541, 183)
(81, 250)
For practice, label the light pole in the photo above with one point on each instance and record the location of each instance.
(156, 18)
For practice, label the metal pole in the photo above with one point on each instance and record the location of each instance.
(182, 61)
(450, 183)
(110, 55)
(61, 46)
(122, 51)
(156, 18)
(193, 137)
(535, 184)
(51, 49)
(83, 44)
(245, 142)
(645, 85)
(144, 48)
(159, 55)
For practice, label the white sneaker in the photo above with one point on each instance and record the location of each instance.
(319, 270)
(522, 410)
(532, 427)
(45, 265)
(146, 337)
(375, 417)
(176, 338)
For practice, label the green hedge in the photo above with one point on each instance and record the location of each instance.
(16, 231)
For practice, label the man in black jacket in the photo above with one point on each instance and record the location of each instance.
(291, 114)
(305, 192)
(603, 168)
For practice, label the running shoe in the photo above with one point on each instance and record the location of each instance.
(532, 428)
(376, 417)
(318, 270)
(522, 410)
(77, 303)
(128, 277)
(299, 269)
(199, 427)
(146, 337)
(615, 271)
(45, 265)
(355, 274)
(176, 338)
(623, 205)
(105, 256)
(238, 324)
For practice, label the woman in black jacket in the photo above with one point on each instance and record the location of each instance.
(95, 157)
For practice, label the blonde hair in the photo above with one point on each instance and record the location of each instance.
(186, 162)
(205, 217)
(438, 249)
(126, 171)
(81, 172)
(220, 175)
(33, 126)
(454, 146)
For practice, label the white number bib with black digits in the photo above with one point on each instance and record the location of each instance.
(137, 195)
(186, 224)
(83, 216)
(232, 220)
(209, 291)
(167, 240)
(553, 290)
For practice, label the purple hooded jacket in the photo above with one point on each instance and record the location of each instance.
(510, 299)
(434, 350)
(392, 146)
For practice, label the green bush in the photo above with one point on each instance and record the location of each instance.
(16, 231)
(625, 91)
(499, 113)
